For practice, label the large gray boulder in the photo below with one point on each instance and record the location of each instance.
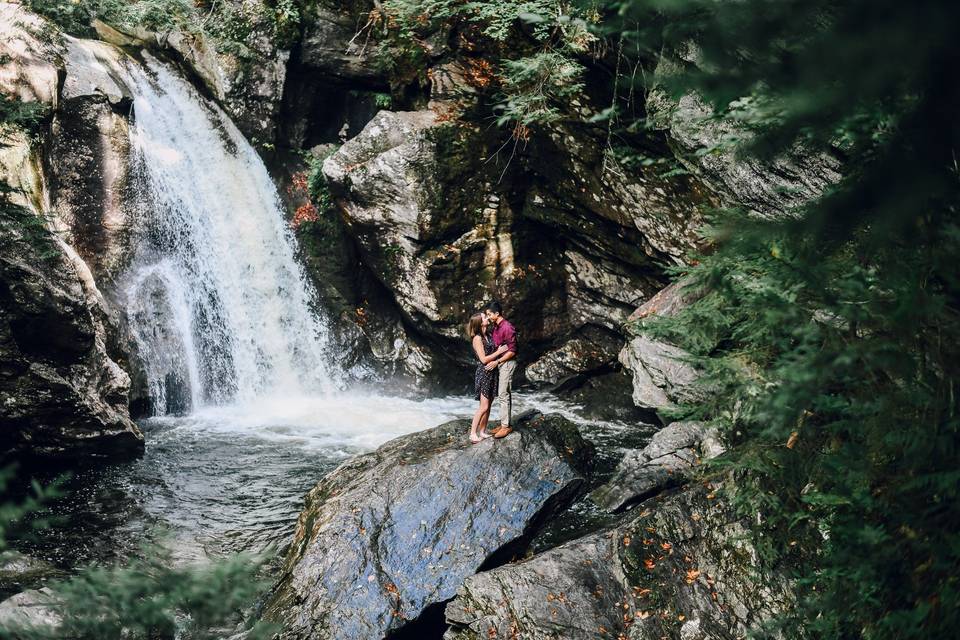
(665, 461)
(32, 611)
(662, 376)
(389, 536)
(585, 353)
(661, 372)
(683, 567)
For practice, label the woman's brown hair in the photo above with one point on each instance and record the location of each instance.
(475, 325)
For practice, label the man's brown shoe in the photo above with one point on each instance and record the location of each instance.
(502, 432)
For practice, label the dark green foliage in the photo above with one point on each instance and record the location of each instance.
(836, 330)
(522, 55)
(229, 24)
(155, 15)
(19, 519)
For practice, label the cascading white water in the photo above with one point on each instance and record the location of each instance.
(218, 253)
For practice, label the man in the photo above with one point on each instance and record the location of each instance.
(503, 333)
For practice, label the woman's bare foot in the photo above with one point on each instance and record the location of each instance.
(485, 434)
(475, 439)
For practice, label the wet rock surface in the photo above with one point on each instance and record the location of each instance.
(680, 567)
(19, 572)
(89, 159)
(62, 395)
(389, 536)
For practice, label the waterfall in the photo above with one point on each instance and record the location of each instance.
(218, 306)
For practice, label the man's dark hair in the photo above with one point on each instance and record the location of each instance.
(494, 307)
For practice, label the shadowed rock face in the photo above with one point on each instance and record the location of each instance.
(392, 533)
(62, 395)
(672, 452)
(681, 568)
(569, 244)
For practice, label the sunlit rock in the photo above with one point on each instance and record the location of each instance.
(707, 145)
(389, 536)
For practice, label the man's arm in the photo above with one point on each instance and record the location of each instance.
(495, 363)
(510, 339)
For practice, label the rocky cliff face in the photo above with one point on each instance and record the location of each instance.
(61, 390)
(772, 188)
(444, 229)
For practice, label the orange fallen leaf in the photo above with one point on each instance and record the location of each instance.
(692, 575)
(792, 440)
(649, 564)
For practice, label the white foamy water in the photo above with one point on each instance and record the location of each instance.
(223, 255)
(342, 422)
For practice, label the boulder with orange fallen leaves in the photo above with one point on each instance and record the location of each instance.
(679, 566)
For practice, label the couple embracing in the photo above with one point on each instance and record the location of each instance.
(494, 342)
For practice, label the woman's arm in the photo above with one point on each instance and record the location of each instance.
(478, 349)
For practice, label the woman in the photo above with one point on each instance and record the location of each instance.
(485, 382)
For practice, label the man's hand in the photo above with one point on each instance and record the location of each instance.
(492, 365)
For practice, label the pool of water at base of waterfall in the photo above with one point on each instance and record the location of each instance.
(232, 479)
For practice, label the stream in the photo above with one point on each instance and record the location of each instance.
(232, 479)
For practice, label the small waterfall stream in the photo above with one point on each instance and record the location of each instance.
(219, 307)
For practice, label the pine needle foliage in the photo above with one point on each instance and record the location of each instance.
(829, 337)
(532, 50)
